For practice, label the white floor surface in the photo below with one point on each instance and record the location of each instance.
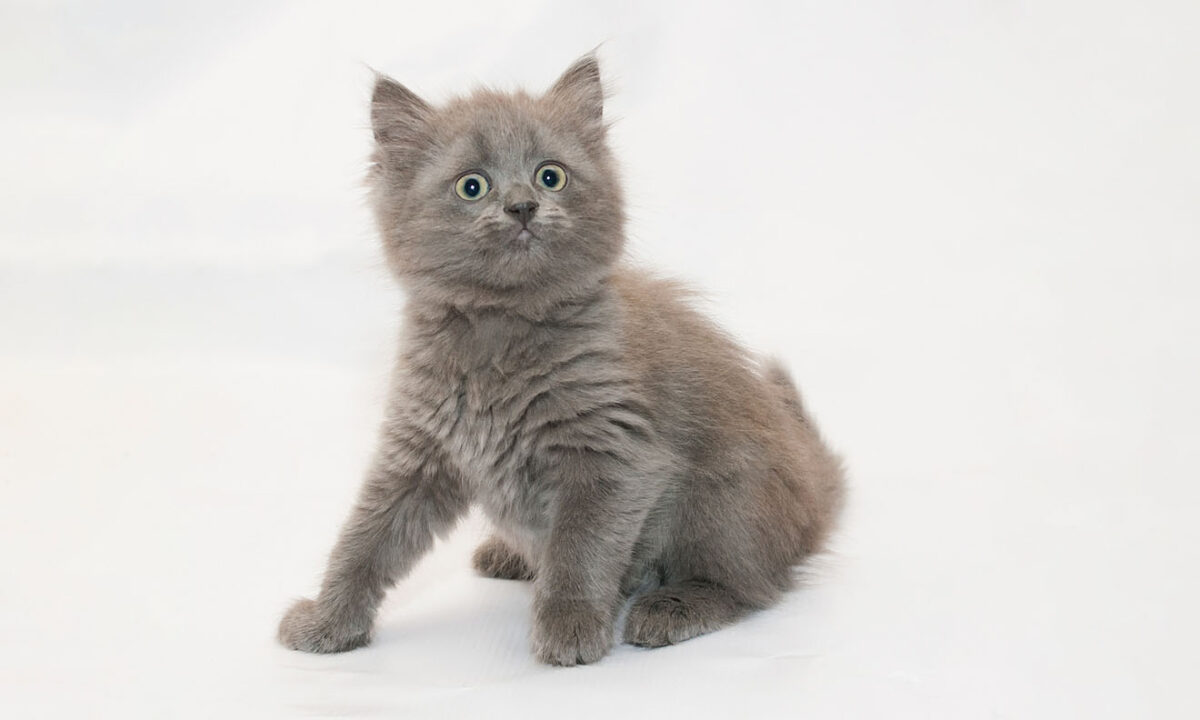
(971, 229)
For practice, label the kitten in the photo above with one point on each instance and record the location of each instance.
(619, 442)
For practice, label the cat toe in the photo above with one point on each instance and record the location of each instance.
(494, 559)
(570, 633)
(306, 628)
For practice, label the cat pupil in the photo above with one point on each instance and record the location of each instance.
(472, 187)
(549, 177)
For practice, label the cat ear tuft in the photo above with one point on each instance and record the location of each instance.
(580, 89)
(398, 116)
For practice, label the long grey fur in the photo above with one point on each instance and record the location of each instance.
(619, 442)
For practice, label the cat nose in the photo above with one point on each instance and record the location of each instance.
(522, 210)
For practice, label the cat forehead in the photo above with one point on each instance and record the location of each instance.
(496, 129)
(497, 144)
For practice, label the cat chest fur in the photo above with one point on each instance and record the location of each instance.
(499, 391)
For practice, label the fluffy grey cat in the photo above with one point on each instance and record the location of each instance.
(621, 444)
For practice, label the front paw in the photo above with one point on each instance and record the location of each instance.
(570, 633)
(307, 627)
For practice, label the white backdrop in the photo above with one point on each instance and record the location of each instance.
(970, 228)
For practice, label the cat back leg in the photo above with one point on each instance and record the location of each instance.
(681, 611)
(495, 559)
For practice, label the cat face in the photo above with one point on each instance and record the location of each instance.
(497, 199)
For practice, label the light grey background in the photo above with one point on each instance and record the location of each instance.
(970, 228)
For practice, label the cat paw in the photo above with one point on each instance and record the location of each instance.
(307, 628)
(657, 621)
(570, 633)
(674, 613)
(495, 559)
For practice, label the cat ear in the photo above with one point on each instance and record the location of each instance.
(398, 116)
(579, 89)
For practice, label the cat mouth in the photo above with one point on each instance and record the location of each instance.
(524, 237)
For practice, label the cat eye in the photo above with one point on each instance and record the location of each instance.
(472, 186)
(552, 176)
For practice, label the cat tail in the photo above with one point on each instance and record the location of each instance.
(781, 380)
(827, 476)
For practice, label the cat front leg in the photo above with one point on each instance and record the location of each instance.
(411, 494)
(599, 505)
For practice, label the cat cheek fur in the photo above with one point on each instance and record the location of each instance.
(621, 444)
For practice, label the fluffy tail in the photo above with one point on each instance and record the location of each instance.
(781, 380)
(826, 475)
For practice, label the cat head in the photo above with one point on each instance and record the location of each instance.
(497, 199)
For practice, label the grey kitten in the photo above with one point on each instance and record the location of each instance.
(619, 442)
